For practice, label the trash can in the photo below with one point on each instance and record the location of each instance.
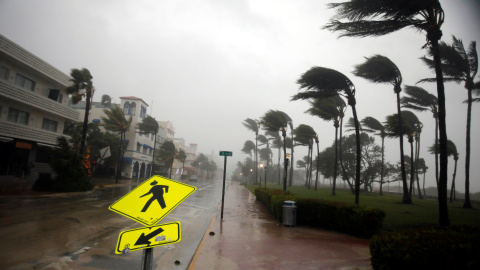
(289, 213)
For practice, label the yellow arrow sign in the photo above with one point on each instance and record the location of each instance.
(152, 200)
(148, 237)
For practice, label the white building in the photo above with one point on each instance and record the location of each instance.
(33, 110)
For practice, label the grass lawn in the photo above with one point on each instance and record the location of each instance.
(398, 216)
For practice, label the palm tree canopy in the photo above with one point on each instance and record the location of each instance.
(304, 134)
(82, 82)
(379, 69)
(248, 147)
(320, 83)
(457, 64)
(106, 100)
(251, 125)
(451, 148)
(167, 152)
(330, 108)
(372, 125)
(265, 153)
(419, 99)
(181, 155)
(275, 120)
(410, 124)
(262, 139)
(381, 17)
(350, 125)
(115, 120)
(148, 125)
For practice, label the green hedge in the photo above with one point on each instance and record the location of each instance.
(454, 247)
(341, 217)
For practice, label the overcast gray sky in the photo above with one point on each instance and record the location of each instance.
(207, 65)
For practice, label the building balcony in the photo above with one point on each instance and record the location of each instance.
(18, 131)
(13, 92)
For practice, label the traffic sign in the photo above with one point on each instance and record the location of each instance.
(152, 200)
(226, 153)
(148, 237)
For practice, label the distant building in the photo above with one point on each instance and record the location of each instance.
(33, 111)
(191, 153)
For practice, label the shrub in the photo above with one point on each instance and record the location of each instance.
(454, 247)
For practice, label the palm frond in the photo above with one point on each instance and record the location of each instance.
(251, 125)
(379, 69)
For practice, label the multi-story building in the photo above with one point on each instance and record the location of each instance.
(191, 153)
(33, 111)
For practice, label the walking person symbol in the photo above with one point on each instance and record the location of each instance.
(157, 195)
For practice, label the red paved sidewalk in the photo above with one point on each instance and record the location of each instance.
(248, 237)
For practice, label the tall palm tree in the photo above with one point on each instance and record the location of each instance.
(150, 126)
(330, 109)
(182, 156)
(304, 135)
(372, 125)
(116, 122)
(319, 83)
(458, 66)
(82, 87)
(452, 151)
(106, 101)
(363, 18)
(274, 121)
(248, 147)
(252, 125)
(380, 69)
(418, 99)
(167, 153)
(277, 143)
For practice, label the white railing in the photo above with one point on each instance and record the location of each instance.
(12, 130)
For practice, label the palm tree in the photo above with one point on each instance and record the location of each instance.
(182, 156)
(116, 122)
(380, 69)
(381, 17)
(276, 143)
(82, 87)
(150, 126)
(330, 109)
(452, 151)
(167, 153)
(274, 121)
(319, 83)
(253, 126)
(248, 147)
(420, 100)
(106, 101)
(422, 167)
(304, 135)
(372, 125)
(458, 66)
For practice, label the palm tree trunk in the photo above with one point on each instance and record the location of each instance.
(290, 178)
(412, 166)
(336, 160)
(452, 189)
(436, 148)
(256, 156)
(85, 121)
(444, 220)
(417, 155)
(122, 154)
(311, 165)
(359, 153)
(345, 176)
(285, 160)
(383, 164)
(406, 195)
(318, 162)
(467, 204)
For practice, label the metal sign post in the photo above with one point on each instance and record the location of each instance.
(225, 154)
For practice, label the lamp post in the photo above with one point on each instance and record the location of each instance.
(265, 169)
(260, 182)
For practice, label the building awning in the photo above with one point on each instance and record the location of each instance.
(127, 160)
(147, 146)
(96, 121)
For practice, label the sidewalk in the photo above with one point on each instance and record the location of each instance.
(248, 237)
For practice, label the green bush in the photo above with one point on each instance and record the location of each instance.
(454, 247)
(341, 217)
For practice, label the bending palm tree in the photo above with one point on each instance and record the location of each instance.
(253, 126)
(372, 125)
(452, 151)
(319, 83)
(248, 147)
(380, 69)
(116, 122)
(330, 109)
(82, 87)
(182, 156)
(167, 153)
(459, 66)
(150, 126)
(304, 135)
(424, 15)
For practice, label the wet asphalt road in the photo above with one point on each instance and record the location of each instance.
(77, 231)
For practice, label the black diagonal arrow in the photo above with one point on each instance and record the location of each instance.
(143, 239)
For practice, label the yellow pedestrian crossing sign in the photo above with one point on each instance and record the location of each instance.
(148, 237)
(152, 200)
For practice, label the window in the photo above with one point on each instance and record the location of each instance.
(133, 108)
(126, 108)
(4, 72)
(24, 82)
(54, 94)
(17, 116)
(143, 112)
(49, 125)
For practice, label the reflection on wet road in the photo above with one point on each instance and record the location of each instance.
(77, 231)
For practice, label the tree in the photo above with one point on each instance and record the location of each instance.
(319, 83)
(330, 109)
(459, 65)
(274, 121)
(304, 135)
(452, 151)
(167, 154)
(381, 17)
(253, 126)
(182, 156)
(248, 147)
(150, 126)
(106, 101)
(380, 69)
(116, 122)
(82, 87)
(372, 125)
(420, 100)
